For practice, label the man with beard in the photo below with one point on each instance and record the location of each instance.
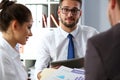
(54, 45)
(102, 60)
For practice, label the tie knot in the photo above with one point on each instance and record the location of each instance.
(70, 36)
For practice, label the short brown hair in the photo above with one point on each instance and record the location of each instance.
(80, 1)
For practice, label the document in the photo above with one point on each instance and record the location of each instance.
(65, 73)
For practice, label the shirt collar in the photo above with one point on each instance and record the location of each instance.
(74, 32)
(9, 50)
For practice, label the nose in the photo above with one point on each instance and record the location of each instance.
(70, 13)
(30, 33)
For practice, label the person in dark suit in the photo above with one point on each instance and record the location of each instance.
(102, 59)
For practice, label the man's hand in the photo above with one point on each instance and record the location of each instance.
(39, 75)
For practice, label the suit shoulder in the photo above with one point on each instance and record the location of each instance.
(102, 37)
(110, 33)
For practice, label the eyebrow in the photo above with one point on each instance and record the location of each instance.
(68, 7)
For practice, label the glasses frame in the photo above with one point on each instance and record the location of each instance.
(74, 11)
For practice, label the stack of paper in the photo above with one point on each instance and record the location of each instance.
(47, 73)
(65, 73)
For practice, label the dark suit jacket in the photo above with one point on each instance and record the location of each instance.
(102, 60)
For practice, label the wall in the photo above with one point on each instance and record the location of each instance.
(95, 14)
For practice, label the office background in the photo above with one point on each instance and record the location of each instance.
(95, 14)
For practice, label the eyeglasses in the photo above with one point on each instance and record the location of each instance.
(73, 11)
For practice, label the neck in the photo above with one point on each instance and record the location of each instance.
(9, 39)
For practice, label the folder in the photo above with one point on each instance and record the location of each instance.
(72, 63)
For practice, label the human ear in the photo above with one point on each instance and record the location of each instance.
(58, 11)
(113, 4)
(14, 25)
(80, 12)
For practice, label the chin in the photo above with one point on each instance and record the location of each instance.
(23, 43)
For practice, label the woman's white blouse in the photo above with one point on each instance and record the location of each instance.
(11, 67)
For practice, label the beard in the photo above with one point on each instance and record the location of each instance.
(69, 25)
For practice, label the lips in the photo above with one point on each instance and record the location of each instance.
(27, 38)
(70, 19)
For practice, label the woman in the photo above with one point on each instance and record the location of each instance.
(15, 25)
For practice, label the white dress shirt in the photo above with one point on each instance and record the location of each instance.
(11, 67)
(53, 46)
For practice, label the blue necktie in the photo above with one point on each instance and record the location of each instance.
(70, 47)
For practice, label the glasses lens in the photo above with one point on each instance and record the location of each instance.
(66, 10)
(74, 11)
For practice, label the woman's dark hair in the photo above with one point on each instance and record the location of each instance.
(12, 11)
(80, 1)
